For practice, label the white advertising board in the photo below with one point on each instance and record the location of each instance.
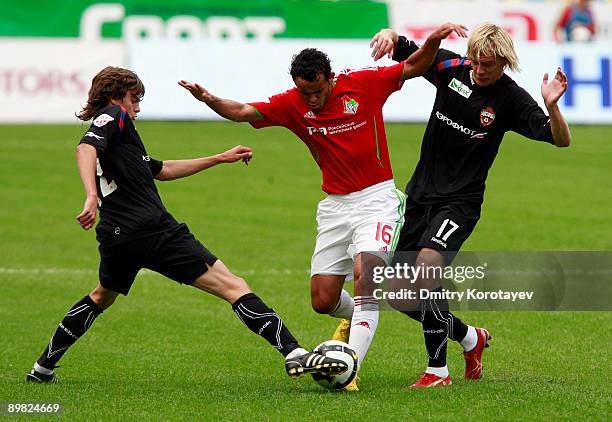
(46, 80)
(254, 71)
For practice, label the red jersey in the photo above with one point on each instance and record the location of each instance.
(347, 137)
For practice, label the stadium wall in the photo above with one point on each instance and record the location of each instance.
(525, 20)
(51, 50)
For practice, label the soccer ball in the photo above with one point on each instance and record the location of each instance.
(341, 351)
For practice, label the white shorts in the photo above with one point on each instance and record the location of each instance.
(369, 220)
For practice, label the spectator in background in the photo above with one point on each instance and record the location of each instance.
(576, 23)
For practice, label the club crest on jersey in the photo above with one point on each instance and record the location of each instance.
(460, 88)
(350, 105)
(102, 119)
(310, 115)
(487, 115)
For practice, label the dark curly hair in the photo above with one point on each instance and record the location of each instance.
(309, 63)
(111, 83)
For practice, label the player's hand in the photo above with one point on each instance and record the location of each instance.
(383, 43)
(198, 91)
(87, 217)
(448, 28)
(553, 90)
(239, 152)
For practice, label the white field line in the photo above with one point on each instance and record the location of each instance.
(302, 272)
(87, 272)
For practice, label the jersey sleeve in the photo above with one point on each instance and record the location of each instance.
(104, 129)
(274, 111)
(405, 48)
(155, 166)
(379, 82)
(528, 118)
(388, 79)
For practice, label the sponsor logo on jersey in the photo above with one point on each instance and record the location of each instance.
(102, 119)
(350, 105)
(460, 88)
(333, 130)
(93, 135)
(487, 115)
(465, 130)
(310, 115)
(146, 158)
(312, 129)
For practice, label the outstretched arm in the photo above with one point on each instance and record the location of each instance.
(551, 92)
(175, 169)
(86, 156)
(229, 109)
(419, 62)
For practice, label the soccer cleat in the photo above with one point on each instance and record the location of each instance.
(353, 385)
(40, 378)
(428, 380)
(473, 358)
(343, 331)
(314, 362)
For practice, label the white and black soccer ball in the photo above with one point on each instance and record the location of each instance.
(337, 350)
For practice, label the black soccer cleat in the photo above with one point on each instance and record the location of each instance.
(314, 362)
(39, 378)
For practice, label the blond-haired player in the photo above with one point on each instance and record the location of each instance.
(476, 104)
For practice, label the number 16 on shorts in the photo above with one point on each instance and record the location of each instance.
(384, 232)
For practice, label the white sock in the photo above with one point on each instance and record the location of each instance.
(363, 325)
(296, 352)
(441, 372)
(42, 369)
(345, 307)
(470, 339)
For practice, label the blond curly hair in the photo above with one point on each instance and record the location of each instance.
(489, 39)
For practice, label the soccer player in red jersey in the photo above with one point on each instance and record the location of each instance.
(340, 119)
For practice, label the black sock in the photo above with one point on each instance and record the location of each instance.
(78, 320)
(264, 321)
(458, 332)
(439, 324)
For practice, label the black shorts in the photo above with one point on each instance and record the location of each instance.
(174, 253)
(441, 227)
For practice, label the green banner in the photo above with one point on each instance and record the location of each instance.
(193, 18)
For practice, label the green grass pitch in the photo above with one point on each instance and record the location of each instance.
(171, 352)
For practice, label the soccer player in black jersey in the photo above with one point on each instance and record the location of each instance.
(136, 231)
(476, 104)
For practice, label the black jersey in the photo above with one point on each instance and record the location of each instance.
(466, 127)
(129, 203)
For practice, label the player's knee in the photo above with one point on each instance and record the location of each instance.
(322, 304)
(221, 282)
(102, 299)
(431, 261)
(239, 283)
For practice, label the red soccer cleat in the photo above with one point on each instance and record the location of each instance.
(430, 380)
(473, 358)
